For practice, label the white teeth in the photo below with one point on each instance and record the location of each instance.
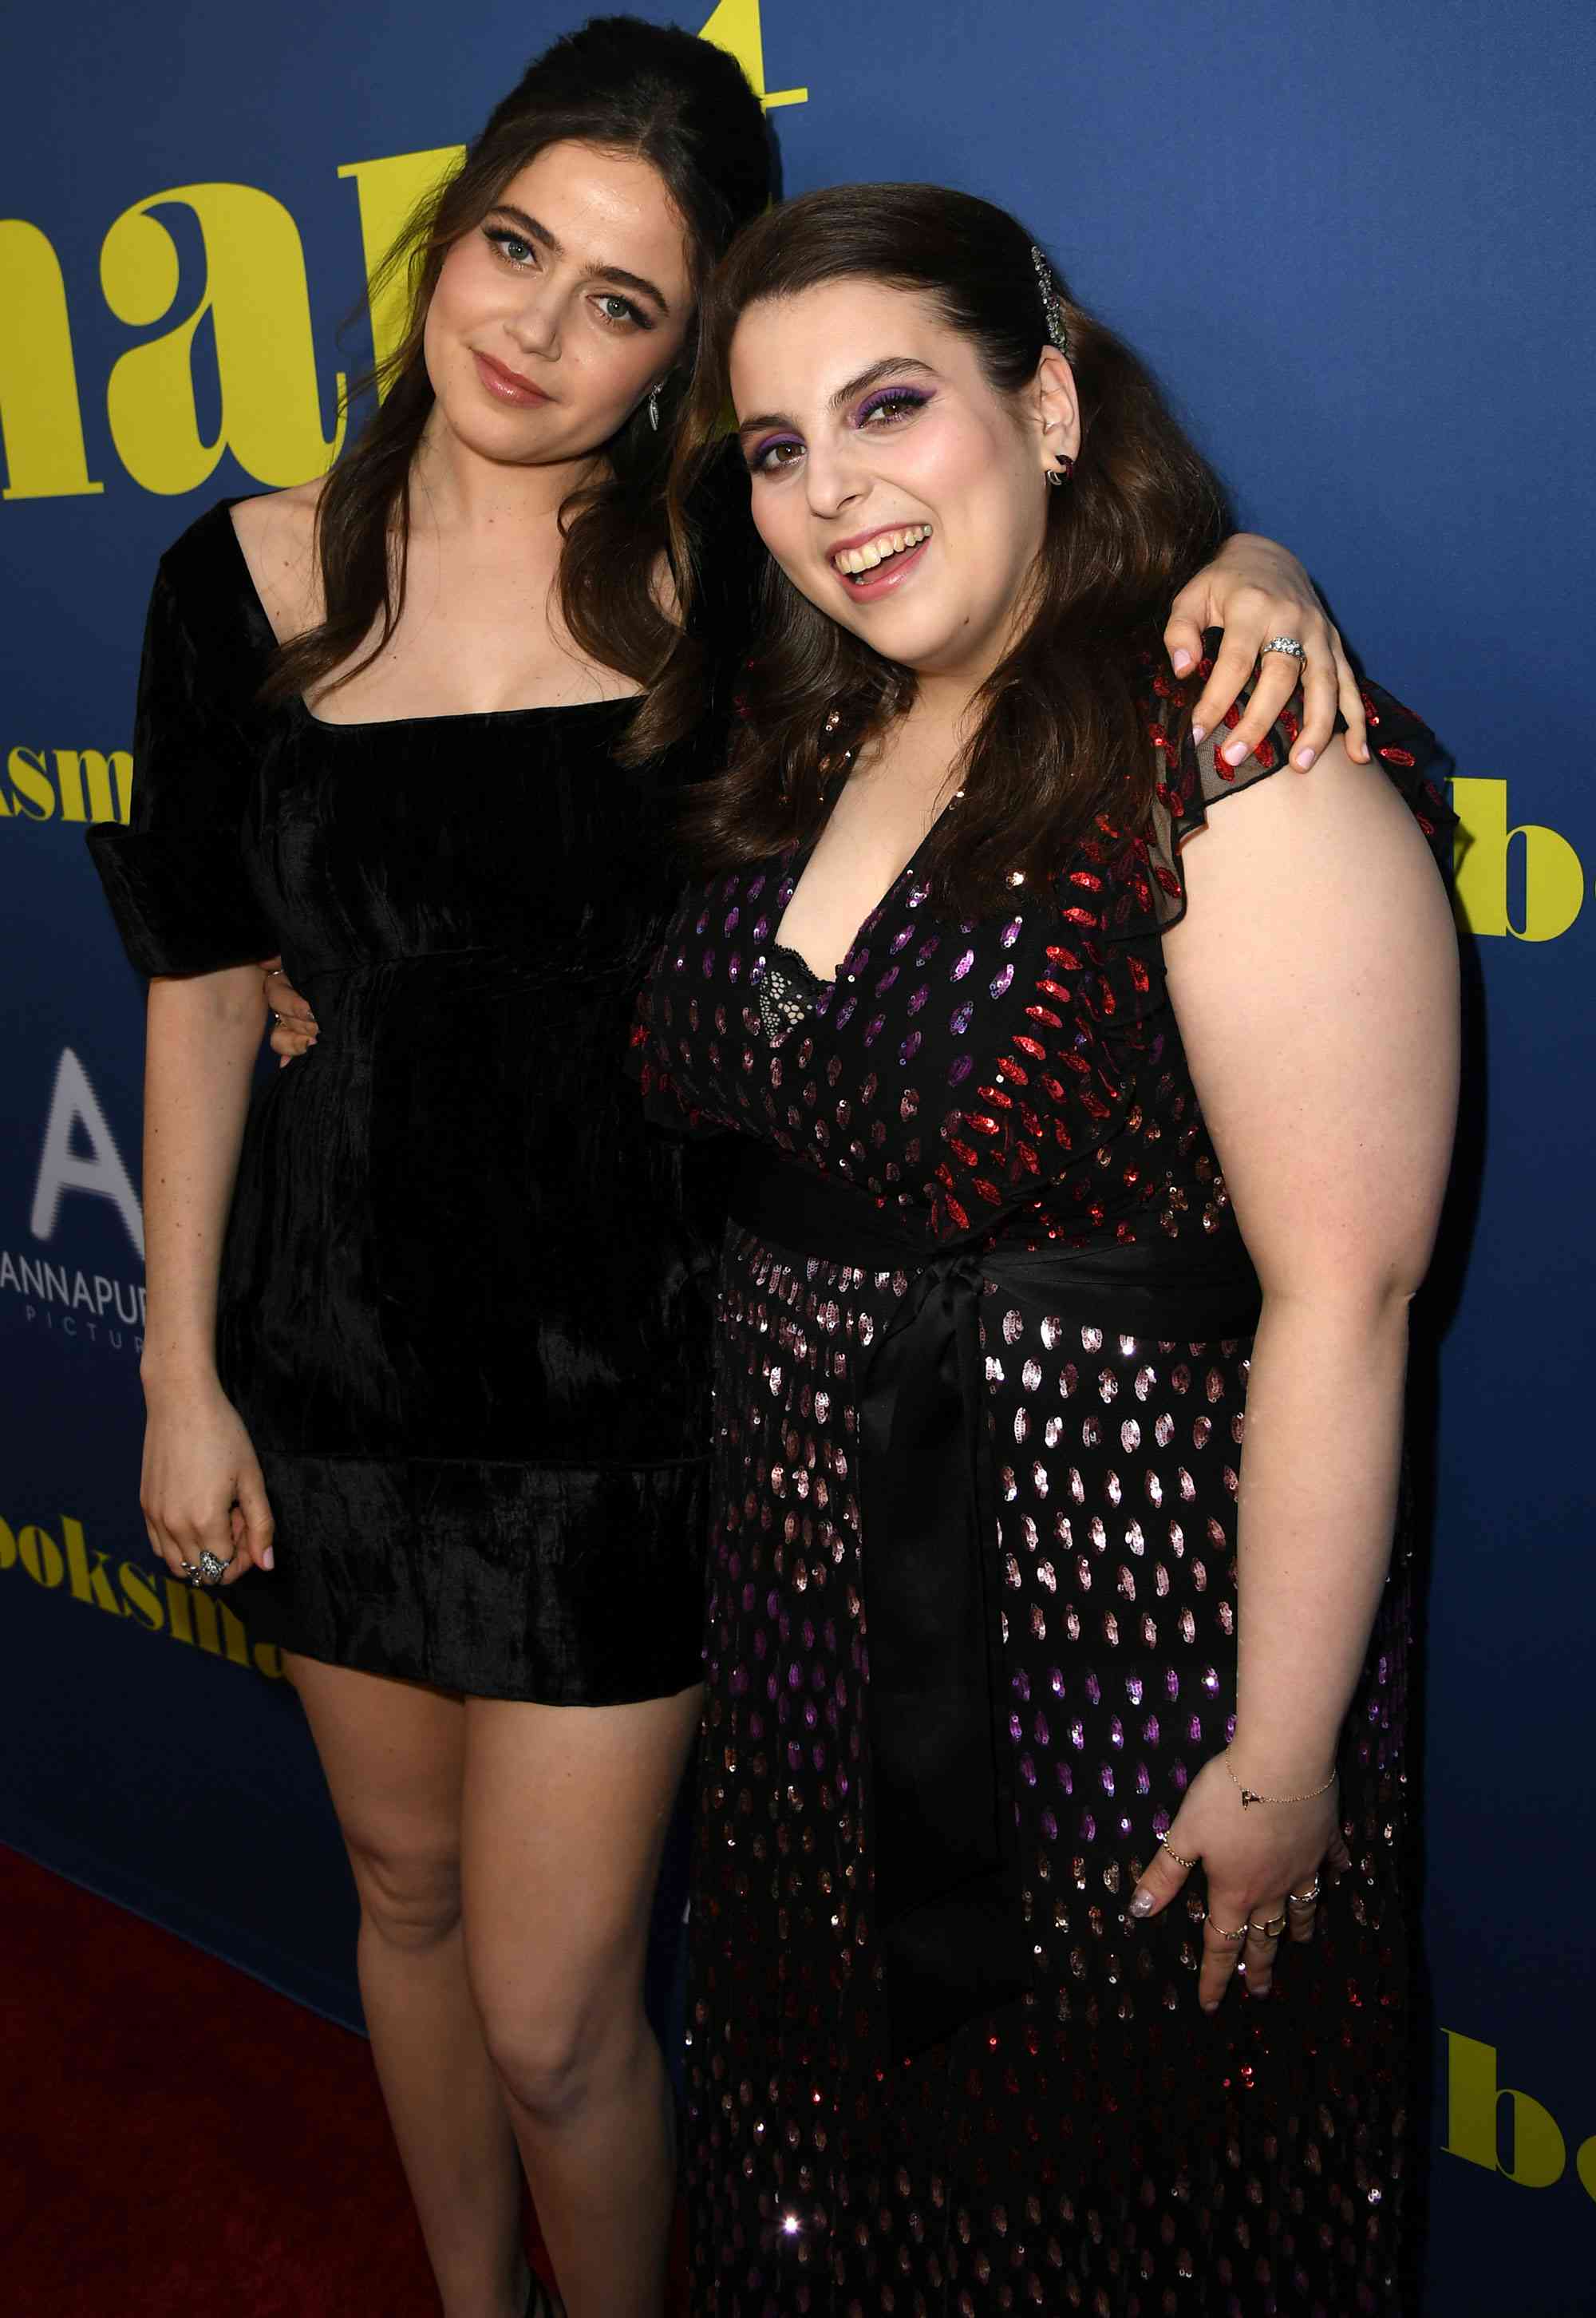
(858, 560)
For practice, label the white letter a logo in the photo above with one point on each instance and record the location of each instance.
(72, 1106)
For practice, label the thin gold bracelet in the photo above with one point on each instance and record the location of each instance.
(1249, 1795)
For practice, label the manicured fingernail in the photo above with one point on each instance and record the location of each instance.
(1304, 758)
(1235, 753)
(268, 1560)
(1142, 1905)
(1198, 733)
(1210, 2004)
(1181, 661)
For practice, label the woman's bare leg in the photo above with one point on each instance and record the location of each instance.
(393, 1754)
(565, 1815)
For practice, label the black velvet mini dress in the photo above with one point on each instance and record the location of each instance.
(463, 1305)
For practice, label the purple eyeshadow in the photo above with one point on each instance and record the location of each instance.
(892, 394)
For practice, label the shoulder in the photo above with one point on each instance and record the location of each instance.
(208, 601)
(1325, 879)
(1384, 804)
(277, 538)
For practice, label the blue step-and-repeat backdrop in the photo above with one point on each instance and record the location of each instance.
(1355, 241)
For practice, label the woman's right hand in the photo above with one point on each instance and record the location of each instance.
(295, 1028)
(201, 1489)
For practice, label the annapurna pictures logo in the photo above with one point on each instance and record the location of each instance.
(78, 1157)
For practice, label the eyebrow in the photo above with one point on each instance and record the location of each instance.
(536, 231)
(844, 393)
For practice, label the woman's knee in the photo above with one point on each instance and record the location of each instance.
(409, 1892)
(556, 2048)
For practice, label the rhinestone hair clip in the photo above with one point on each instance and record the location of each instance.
(1051, 312)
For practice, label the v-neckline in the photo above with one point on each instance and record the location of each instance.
(805, 855)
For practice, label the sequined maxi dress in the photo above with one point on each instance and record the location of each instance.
(1092, 2141)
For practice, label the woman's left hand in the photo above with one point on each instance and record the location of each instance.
(1264, 1869)
(1256, 589)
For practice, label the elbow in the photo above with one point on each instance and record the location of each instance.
(232, 1001)
(1372, 1298)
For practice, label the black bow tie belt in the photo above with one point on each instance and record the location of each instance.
(946, 1897)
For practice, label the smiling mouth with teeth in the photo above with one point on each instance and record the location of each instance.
(858, 562)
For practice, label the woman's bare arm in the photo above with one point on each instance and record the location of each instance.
(1316, 983)
(202, 1487)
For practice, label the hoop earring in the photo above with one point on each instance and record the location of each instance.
(1065, 469)
(654, 409)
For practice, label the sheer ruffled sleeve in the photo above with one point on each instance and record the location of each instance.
(1147, 886)
(175, 878)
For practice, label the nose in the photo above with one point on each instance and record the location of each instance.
(534, 321)
(833, 478)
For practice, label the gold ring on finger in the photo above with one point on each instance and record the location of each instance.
(1308, 1899)
(1169, 1852)
(1269, 1930)
(1220, 1934)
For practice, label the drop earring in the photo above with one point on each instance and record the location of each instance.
(654, 409)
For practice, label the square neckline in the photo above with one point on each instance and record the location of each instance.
(224, 509)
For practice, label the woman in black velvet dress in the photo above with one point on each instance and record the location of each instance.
(430, 1378)
(1096, 1093)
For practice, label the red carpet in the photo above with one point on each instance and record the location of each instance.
(176, 2138)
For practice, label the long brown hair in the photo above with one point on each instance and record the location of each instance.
(624, 86)
(1062, 736)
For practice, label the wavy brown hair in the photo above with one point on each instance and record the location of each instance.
(1062, 737)
(648, 91)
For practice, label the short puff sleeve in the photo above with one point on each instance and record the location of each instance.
(1146, 884)
(175, 878)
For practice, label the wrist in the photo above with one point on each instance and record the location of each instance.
(1278, 1776)
(166, 1375)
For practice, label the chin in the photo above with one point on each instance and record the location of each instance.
(911, 641)
(499, 434)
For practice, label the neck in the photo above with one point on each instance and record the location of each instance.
(462, 491)
(945, 702)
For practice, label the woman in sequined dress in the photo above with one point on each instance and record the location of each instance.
(1086, 1135)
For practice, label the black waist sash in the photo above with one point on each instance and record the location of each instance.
(946, 1900)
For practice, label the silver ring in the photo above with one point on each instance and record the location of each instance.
(274, 971)
(191, 1574)
(1286, 644)
(212, 1569)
